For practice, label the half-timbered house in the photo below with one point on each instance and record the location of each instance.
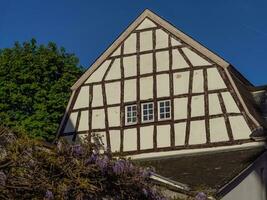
(157, 93)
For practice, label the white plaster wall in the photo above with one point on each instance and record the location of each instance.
(218, 131)
(82, 100)
(175, 42)
(113, 91)
(146, 41)
(130, 140)
(214, 104)
(197, 106)
(239, 127)
(180, 108)
(146, 63)
(147, 23)
(180, 133)
(162, 58)
(181, 82)
(130, 90)
(229, 103)
(146, 137)
(146, 87)
(163, 136)
(198, 81)
(253, 187)
(98, 118)
(195, 59)
(215, 80)
(197, 132)
(84, 121)
(115, 140)
(97, 96)
(98, 74)
(115, 70)
(161, 39)
(117, 52)
(178, 62)
(130, 67)
(163, 84)
(130, 44)
(70, 126)
(114, 116)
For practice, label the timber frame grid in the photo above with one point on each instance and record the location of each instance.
(138, 102)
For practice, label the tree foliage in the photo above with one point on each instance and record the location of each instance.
(30, 169)
(35, 83)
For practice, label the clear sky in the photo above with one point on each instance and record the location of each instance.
(234, 29)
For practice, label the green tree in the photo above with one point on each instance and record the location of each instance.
(35, 83)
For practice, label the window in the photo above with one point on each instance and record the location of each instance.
(131, 114)
(148, 112)
(164, 109)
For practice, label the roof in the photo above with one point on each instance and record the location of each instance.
(206, 172)
(160, 21)
(240, 85)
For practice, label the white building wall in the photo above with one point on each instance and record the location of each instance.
(146, 63)
(82, 100)
(254, 186)
(146, 41)
(218, 131)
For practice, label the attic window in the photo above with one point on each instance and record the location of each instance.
(164, 110)
(131, 114)
(148, 112)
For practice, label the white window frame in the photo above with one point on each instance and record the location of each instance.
(153, 113)
(131, 114)
(164, 112)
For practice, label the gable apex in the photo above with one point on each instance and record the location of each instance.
(147, 23)
(149, 18)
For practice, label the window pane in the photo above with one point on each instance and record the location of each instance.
(150, 105)
(167, 115)
(134, 108)
(167, 109)
(161, 110)
(167, 103)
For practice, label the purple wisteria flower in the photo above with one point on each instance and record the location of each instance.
(102, 163)
(92, 159)
(49, 195)
(119, 167)
(201, 196)
(145, 192)
(77, 150)
(2, 178)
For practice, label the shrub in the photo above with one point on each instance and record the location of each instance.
(31, 169)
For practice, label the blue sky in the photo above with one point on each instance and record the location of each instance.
(235, 30)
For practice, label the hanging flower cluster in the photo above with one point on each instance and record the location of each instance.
(34, 170)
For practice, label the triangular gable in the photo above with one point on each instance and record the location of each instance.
(147, 14)
(107, 66)
(148, 19)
